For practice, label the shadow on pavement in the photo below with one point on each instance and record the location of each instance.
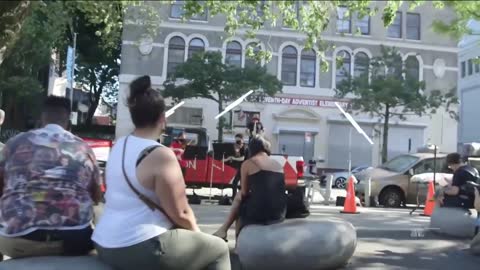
(420, 257)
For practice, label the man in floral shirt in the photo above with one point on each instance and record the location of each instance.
(49, 183)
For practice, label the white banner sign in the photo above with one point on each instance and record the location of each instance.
(304, 102)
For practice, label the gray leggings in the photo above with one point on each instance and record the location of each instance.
(175, 249)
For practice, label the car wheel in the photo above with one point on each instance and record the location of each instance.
(340, 182)
(391, 198)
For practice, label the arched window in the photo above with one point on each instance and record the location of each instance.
(412, 68)
(289, 66)
(361, 65)
(343, 67)
(233, 55)
(307, 68)
(196, 45)
(176, 54)
(249, 61)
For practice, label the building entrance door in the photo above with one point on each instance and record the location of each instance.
(297, 144)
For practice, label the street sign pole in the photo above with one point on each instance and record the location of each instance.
(73, 69)
(350, 151)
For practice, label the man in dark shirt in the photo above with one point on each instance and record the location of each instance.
(458, 193)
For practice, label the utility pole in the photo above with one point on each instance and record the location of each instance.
(73, 70)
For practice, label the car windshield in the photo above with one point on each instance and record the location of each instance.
(359, 169)
(400, 163)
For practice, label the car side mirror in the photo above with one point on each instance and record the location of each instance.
(411, 172)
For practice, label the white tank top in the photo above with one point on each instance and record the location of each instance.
(126, 220)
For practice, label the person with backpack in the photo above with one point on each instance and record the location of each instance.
(459, 193)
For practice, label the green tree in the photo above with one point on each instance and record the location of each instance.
(12, 17)
(205, 76)
(98, 66)
(24, 70)
(388, 88)
(311, 18)
(464, 11)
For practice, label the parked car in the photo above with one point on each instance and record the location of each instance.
(391, 183)
(340, 178)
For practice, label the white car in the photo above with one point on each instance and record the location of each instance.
(340, 178)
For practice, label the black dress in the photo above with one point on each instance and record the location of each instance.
(266, 200)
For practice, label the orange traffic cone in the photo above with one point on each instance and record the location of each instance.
(430, 201)
(350, 206)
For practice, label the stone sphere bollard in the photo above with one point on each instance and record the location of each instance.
(55, 263)
(453, 221)
(297, 244)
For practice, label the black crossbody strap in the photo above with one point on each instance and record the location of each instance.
(150, 204)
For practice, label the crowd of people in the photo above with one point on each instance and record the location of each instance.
(50, 183)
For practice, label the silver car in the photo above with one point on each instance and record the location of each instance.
(391, 182)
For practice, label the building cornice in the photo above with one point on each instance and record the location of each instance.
(292, 34)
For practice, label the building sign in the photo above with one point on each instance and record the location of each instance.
(311, 102)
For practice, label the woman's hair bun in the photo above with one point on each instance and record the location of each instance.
(140, 86)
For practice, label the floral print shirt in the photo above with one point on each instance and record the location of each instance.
(47, 177)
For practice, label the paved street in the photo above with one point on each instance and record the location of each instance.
(387, 238)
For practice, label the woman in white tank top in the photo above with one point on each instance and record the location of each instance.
(147, 222)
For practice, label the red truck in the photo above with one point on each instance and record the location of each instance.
(203, 170)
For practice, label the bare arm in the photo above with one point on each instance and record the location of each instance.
(94, 187)
(451, 190)
(170, 189)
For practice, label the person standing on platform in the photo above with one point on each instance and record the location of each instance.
(255, 127)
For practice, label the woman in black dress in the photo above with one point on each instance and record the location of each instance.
(263, 198)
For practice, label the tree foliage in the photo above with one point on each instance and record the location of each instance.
(458, 27)
(206, 76)
(98, 66)
(12, 17)
(242, 17)
(24, 69)
(389, 89)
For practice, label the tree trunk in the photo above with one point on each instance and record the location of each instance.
(91, 112)
(385, 134)
(220, 121)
